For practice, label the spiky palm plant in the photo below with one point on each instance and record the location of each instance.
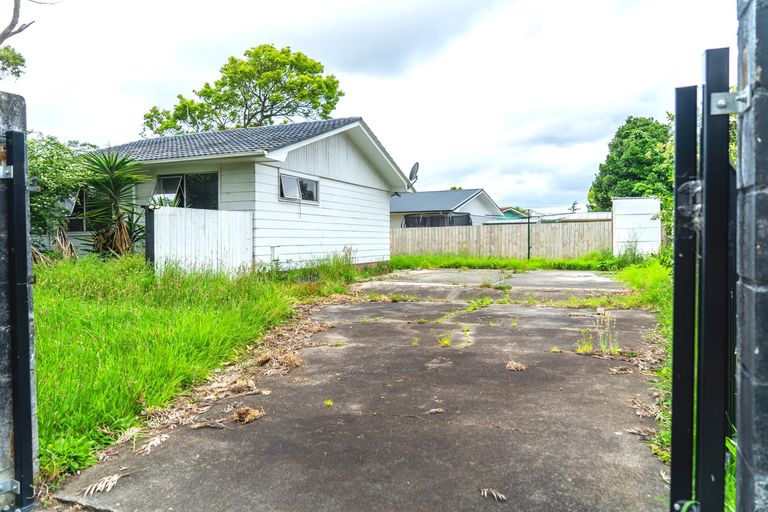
(111, 210)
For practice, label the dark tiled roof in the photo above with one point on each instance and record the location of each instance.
(239, 140)
(436, 201)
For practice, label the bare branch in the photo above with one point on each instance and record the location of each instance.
(8, 32)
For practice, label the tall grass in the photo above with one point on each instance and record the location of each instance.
(601, 260)
(115, 339)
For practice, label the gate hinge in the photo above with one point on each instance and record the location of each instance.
(10, 486)
(721, 103)
(6, 171)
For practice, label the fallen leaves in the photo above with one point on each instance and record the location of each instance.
(644, 433)
(245, 415)
(515, 366)
(620, 370)
(490, 492)
(153, 443)
(643, 409)
(104, 484)
(437, 410)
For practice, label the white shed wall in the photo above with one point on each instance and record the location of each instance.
(636, 220)
(347, 215)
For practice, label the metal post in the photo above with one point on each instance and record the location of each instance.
(20, 321)
(714, 291)
(149, 234)
(529, 233)
(683, 329)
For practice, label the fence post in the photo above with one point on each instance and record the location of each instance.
(683, 329)
(712, 383)
(752, 262)
(18, 423)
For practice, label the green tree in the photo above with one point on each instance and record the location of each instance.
(637, 164)
(268, 85)
(110, 209)
(59, 172)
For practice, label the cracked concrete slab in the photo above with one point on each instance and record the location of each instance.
(552, 437)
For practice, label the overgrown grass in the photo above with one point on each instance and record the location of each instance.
(602, 260)
(115, 339)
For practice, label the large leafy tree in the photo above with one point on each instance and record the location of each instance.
(266, 86)
(638, 164)
(59, 171)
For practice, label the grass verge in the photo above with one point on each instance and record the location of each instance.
(115, 339)
(601, 260)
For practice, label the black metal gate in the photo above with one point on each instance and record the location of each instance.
(703, 380)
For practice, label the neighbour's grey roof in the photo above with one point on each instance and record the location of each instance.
(239, 140)
(435, 201)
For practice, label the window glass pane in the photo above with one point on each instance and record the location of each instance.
(202, 191)
(76, 222)
(289, 187)
(168, 191)
(308, 190)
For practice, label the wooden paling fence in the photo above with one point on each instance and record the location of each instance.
(547, 240)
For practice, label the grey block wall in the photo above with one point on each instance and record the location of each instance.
(752, 300)
(12, 117)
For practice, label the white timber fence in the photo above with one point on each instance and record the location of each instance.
(547, 240)
(200, 239)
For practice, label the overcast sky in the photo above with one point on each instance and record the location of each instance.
(519, 97)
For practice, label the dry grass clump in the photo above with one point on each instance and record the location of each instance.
(244, 415)
(290, 359)
(515, 366)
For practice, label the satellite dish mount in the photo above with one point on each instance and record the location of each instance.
(414, 175)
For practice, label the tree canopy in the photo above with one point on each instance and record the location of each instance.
(59, 171)
(266, 86)
(638, 164)
(12, 62)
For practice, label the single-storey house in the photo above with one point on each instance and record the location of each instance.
(442, 208)
(314, 188)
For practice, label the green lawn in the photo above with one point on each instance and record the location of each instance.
(114, 339)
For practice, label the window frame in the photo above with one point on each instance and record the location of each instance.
(298, 179)
(81, 199)
(183, 187)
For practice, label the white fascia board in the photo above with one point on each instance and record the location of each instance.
(250, 155)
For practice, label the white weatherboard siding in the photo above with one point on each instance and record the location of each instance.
(347, 215)
(636, 222)
(236, 181)
(203, 239)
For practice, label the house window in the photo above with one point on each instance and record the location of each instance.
(299, 189)
(187, 191)
(76, 207)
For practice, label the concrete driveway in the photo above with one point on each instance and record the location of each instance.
(419, 426)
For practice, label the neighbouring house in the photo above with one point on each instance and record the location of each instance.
(442, 208)
(513, 213)
(313, 188)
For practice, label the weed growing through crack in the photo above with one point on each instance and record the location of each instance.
(445, 339)
(415, 341)
(584, 345)
(605, 327)
(328, 403)
(513, 324)
(422, 321)
(487, 283)
(491, 323)
(338, 344)
(478, 304)
(555, 349)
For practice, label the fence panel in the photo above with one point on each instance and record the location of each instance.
(548, 240)
(200, 239)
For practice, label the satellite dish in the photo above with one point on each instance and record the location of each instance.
(414, 173)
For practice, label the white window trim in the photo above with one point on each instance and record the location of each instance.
(298, 199)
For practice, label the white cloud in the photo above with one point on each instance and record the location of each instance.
(518, 97)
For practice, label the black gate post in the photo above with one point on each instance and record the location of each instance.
(683, 337)
(713, 357)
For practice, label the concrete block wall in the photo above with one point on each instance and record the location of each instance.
(752, 257)
(12, 117)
